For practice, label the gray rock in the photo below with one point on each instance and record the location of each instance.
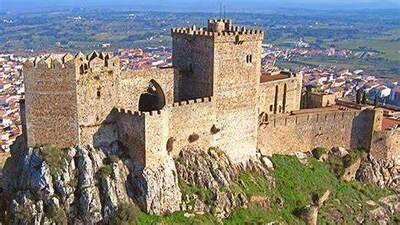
(338, 152)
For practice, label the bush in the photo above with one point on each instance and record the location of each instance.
(352, 157)
(336, 166)
(105, 171)
(53, 157)
(318, 152)
(127, 214)
(24, 214)
(193, 137)
(58, 216)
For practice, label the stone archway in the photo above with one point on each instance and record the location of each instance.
(153, 98)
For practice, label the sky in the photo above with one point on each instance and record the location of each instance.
(198, 5)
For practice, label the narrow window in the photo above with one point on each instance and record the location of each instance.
(98, 92)
(271, 108)
(249, 58)
(284, 98)
(81, 69)
(276, 99)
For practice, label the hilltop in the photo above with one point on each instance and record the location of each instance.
(92, 185)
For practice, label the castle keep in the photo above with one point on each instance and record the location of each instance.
(214, 95)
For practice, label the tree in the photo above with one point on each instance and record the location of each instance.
(358, 96)
(364, 98)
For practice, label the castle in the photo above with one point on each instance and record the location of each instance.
(214, 95)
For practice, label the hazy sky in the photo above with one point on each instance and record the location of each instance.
(199, 5)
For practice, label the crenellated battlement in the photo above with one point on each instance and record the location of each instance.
(220, 28)
(91, 62)
(49, 62)
(141, 113)
(192, 102)
(203, 32)
(328, 117)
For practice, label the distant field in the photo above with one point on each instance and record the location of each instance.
(387, 64)
(388, 44)
(377, 66)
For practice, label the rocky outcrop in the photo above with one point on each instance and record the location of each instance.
(82, 186)
(157, 189)
(309, 214)
(385, 173)
(385, 211)
(212, 174)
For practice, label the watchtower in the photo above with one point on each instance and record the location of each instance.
(223, 61)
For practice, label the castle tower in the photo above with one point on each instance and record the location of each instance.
(50, 96)
(223, 61)
(67, 98)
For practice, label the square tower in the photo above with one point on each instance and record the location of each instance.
(223, 61)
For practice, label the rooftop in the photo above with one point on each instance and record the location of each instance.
(275, 76)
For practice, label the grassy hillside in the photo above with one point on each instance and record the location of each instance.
(295, 185)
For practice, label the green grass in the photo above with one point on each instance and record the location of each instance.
(295, 185)
(202, 193)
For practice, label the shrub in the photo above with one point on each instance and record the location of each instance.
(126, 214)
(53, 157)
(193, 137)
(352, 157)
(336, 166)
(318, 152)
(58, 216)
(24, 214)
(105, 171)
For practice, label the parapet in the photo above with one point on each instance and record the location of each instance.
(51, 61)
(311, 117)
(96, 62)
(141, 113)
(218, 29)
(192, 102)
(85, 63)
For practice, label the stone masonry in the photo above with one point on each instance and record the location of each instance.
(213, 96)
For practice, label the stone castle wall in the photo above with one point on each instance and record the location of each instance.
(131, 84)
(319, 100)
(237, 66)
(288, 95)
(386, 145)
(193, 117)
(99, 94)
(96, 91)
(145, 135)
(51, 103)
(287, 134)
(212, 97)
(193, 58)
